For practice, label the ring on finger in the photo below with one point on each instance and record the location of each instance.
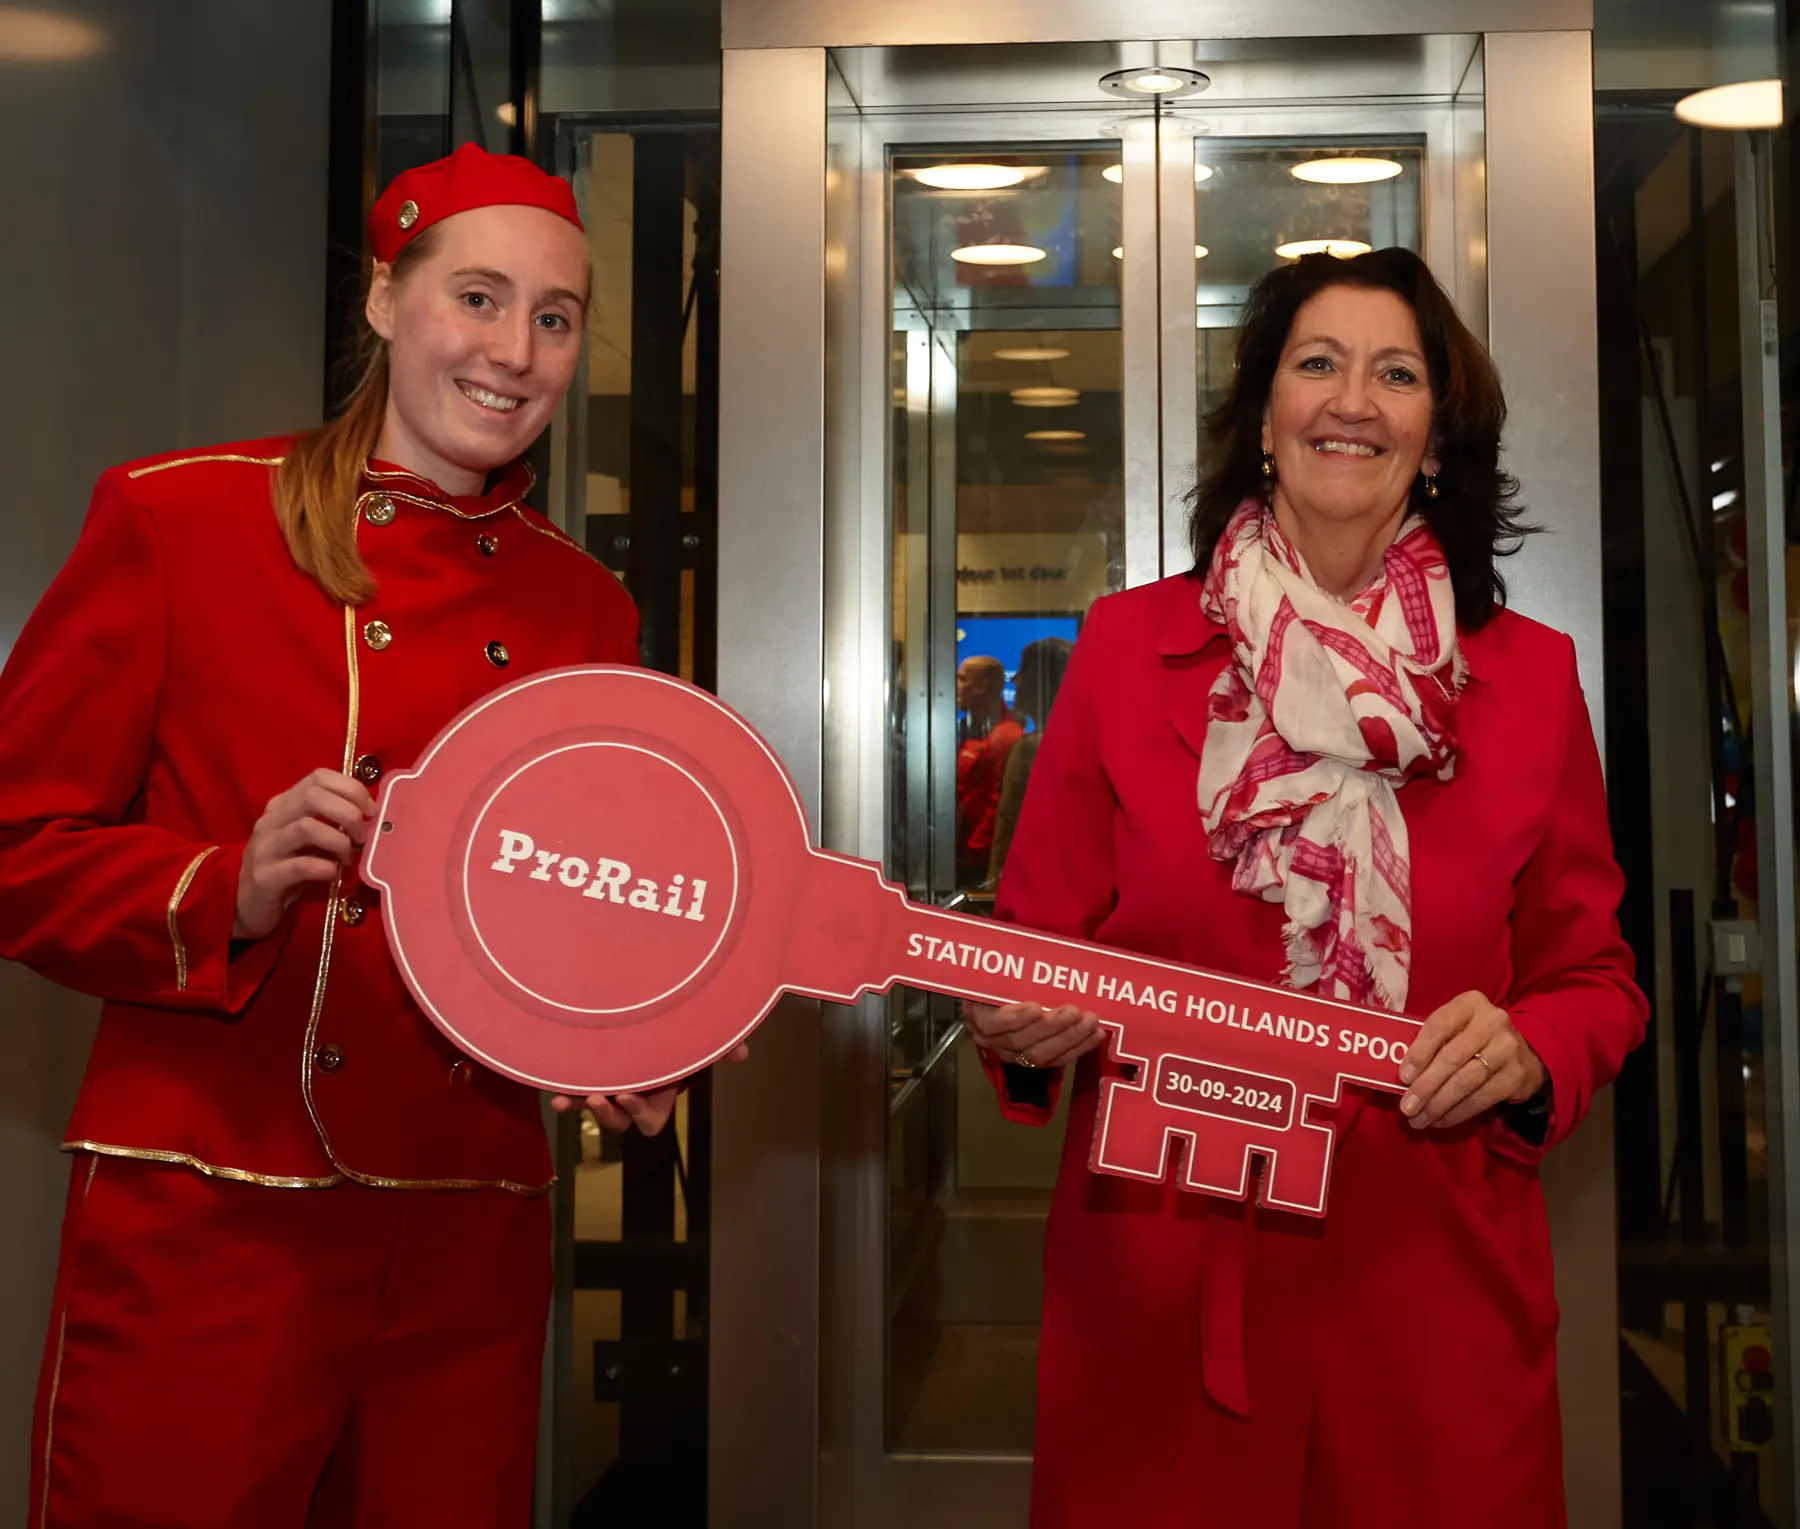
(1021, 1059)
(1485, 1063)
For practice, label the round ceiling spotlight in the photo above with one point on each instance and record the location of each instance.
(1202, 174)
(975, 177)
(1342, 248)
(1114, 173)
(997, 254)
(1346, 170)
(1045, 397)
(1032, 353)
(1163, 80)
(1056, 435)
(1753, 103)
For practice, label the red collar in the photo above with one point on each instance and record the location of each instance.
(1183, 628)
(508, 488)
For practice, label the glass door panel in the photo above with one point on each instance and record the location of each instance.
(1008, 515)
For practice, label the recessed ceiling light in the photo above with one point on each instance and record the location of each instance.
(975, 177)
(1346, 170)
(997, 254)
(1056, 435)
(1342, 248)
(1154, 80)
(1202, 173)
(1031, 353)
(1114, 173)
(42, 37)
(1200, 252)
(1044, 397)
(1753, 103)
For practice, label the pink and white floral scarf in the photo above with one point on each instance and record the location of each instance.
(1327, 709)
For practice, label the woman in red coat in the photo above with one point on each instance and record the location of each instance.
(306, 1264)
(1330, 758)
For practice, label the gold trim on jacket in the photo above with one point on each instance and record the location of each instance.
(217, 456)
(200, 1165)
(181, 891)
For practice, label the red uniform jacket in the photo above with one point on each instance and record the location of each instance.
(1398, 1356)
(180, 672)
(980, 767)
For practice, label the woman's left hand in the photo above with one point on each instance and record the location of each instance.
(1466, 1060)
(620, 1112)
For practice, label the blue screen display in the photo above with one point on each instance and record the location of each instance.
(1004, 638)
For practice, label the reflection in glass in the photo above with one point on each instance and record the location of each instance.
(1008, 516)
(1262, 203)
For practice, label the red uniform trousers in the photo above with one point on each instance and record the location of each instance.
(228, 1354)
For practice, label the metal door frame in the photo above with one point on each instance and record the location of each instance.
(801, 584)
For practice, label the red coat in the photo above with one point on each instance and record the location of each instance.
(180, 672)
(1400, 1354)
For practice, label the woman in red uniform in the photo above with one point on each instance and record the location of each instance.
(251, 1326)
(1331, 758)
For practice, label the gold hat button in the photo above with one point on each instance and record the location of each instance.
(462, 1074)
(380, 511)
(487, 545)
(409, 214)
(497, 655)
(377, 635)
(367, 769)
(352, 912)
(328, 1058)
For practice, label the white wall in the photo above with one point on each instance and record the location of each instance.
(162, 248)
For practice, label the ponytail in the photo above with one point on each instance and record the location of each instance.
(316, 483)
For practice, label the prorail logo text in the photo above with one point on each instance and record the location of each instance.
(604, 881)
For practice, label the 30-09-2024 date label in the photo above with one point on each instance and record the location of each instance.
(1224, 1092)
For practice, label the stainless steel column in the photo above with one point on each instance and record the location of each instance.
(764, 1334)
(1541, 310)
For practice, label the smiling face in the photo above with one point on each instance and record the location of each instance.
(1349, 415)
(484, 334)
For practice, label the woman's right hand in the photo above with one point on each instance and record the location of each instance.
(306, 835)
(1028, 1035)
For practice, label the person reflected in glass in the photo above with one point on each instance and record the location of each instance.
(1040, 672)
(1332, 758)
(988, 734)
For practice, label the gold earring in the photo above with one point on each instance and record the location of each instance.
(1431, 486)
(1268, 465)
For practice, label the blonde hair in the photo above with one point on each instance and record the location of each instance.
(316, 483)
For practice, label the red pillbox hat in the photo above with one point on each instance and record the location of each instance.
(469, 178)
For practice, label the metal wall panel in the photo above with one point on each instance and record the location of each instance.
(764, 1433)
(833, 24)
(1540, 240)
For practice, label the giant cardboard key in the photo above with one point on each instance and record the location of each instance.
(601, 879)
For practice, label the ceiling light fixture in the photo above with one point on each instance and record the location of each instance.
(997, 254)
(1342, 248)
(975, 177)
(1056, 435)
(1200, 252)
(1163, 80)
(1032, 353)
(1752, 103)
(1116, 174)
(1346, 170)
(41, 37)
(1044, 397)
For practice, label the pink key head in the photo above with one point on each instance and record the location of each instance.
(568, 875)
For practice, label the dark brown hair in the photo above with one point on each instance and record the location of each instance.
(1474, 516)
